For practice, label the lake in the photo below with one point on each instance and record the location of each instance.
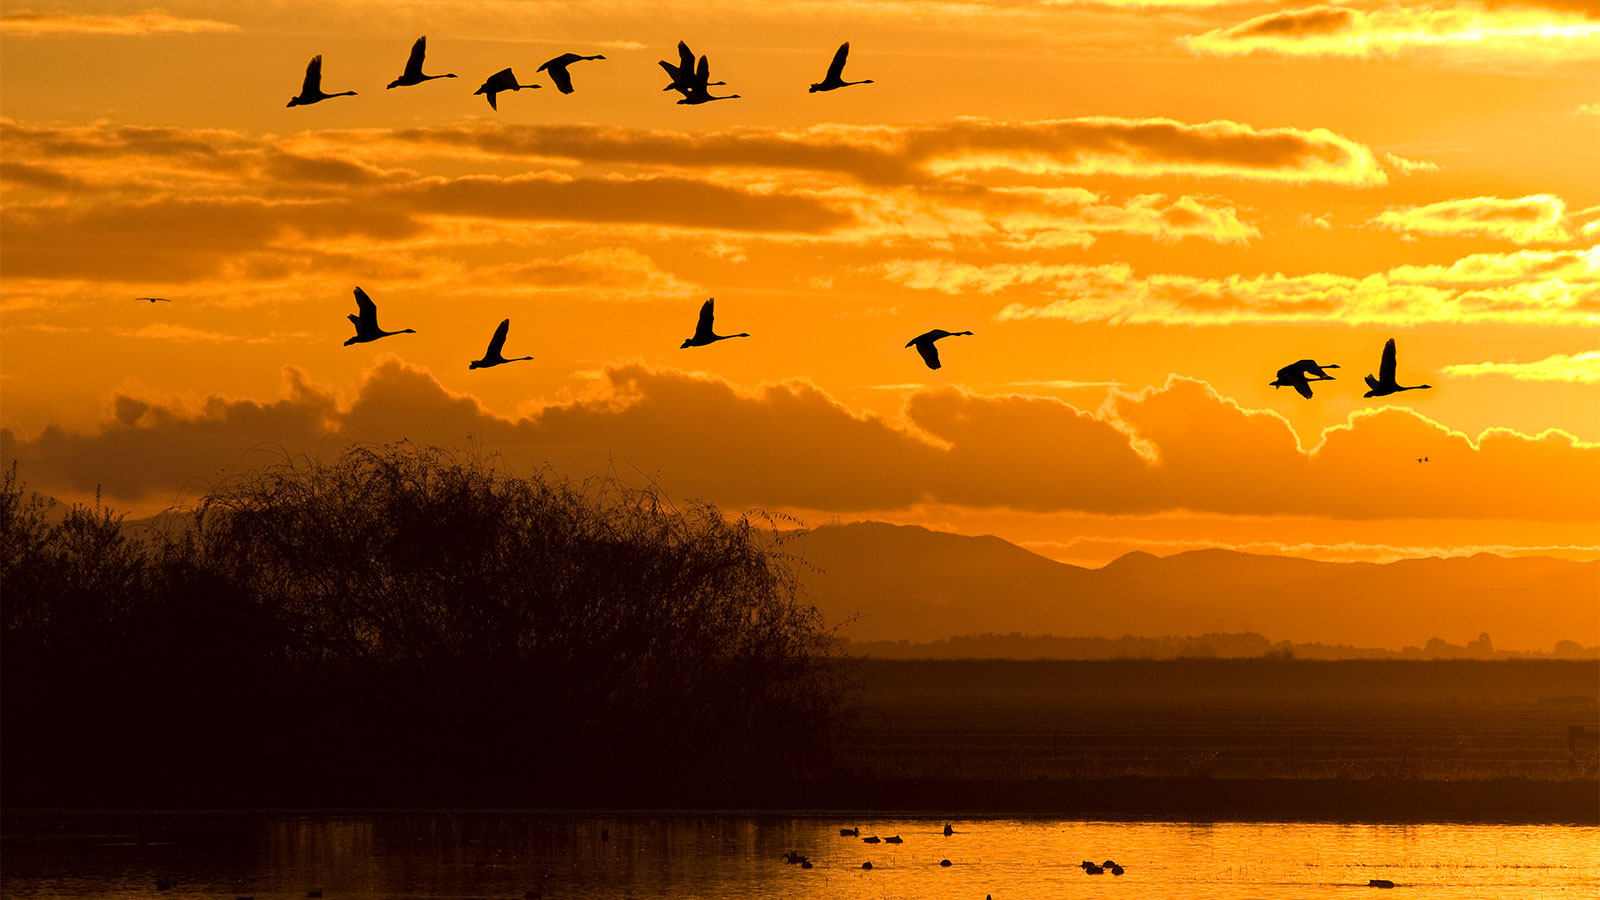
(376, 856)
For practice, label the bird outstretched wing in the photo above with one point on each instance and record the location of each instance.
(1303, 387)
(702, 328)
(836, 68)
(313, 83)
(685, 58)
(418, 50)
(498, 341)
(1386, 369)
(561, 77)
(368, 309)
(930, 353)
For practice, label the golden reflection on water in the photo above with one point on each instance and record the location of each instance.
(490, 855)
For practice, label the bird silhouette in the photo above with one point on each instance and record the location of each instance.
(871, 840)
(682, 74)
(1299, 375)
(867, 865)
(944, 862)
(924, 344)
(948, 830)
(311, 90)
(793, 857)
(1385, 384)
(491, 356)
(558, 70)
(413, 73)
(849, 832)
(502, 80)
(835, 76)
(894, 840)
(703, 334)
(154, 299)
(367, 321)
(1112, 867)
(1090, 868)
(695, 93)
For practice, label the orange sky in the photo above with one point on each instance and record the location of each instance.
(1142, 209)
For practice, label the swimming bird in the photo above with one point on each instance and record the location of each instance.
(835, 76)
(1090, 868)
(502, 80)
(311, 90)
(695, 92)
(1299, 375)
(867, 864)
(944, 862)
(1385, 384)
(948, 830)
(1379, 883)
(793, 857)
(1112, 866)
(805, 863)
(558, 70)
(492, 357)
(413, 73)
(703, 334)
(893, 840)
(924, 344)
(871, 840)
(367, 322)
(154, 299)
(850, 832)
(682, 74)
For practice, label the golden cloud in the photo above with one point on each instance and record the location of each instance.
(1535, 219)
(1577, 368)
(151, 21)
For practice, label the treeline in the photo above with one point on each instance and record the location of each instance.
(403, 626)
(1206, 646)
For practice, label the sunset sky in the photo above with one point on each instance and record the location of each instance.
(1142, 208)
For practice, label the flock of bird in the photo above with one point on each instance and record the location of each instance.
(795, 857)
(690, 77)
(1299, 376)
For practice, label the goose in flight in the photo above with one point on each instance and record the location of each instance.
(502, 80)
(1385, 384)
(492, 357)
(311, 91)
(413, 73)
(1299, 376)
(367, 321)
(558, 70)
(154, 299)
(703, 334)
(924, 344)
(695, 92)
(682, 74)
(835, 78)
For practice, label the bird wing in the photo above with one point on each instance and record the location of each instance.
(498, 341)
(414, 64)
(313, 84)
(702, 75)
(930, 353)
(673, 72)
(836, 68)
(685, 58)
(702, 328)
(1387, 367)
(561, 77)
(368, 309)
(1303, 386)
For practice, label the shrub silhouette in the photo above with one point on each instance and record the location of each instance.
(408, 625)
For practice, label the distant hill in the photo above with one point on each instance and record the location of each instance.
(892, 582)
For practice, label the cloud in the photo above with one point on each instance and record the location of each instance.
(1515, 32)
(1528, 286)
(1179, 446)
(1577, 368)
(1535, 219)
(151, 21)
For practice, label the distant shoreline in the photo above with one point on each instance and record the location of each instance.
(1506, 801)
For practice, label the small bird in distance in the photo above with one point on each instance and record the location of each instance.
(1385, 384)
(695, 92)
(1299, 376)
(367, 321)
(682, 74)
(558, 69)
(835, 77)
(703, 334)
(924, 344)
(413, 73)
(503, 80)
(492, 357)
(311, 90)
(153, 299)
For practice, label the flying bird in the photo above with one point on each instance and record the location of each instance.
(154, 299)
(502, 80)
(1385, 384)
(835, 77)
(311, 91)
(695, 92)
(1299, 376)
(558, 70)
(367, 321)
(492, 357)
(413, 73)
(682, 74)
(703, 334)
(924, 344)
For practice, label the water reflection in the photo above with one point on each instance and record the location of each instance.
(510, 855)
